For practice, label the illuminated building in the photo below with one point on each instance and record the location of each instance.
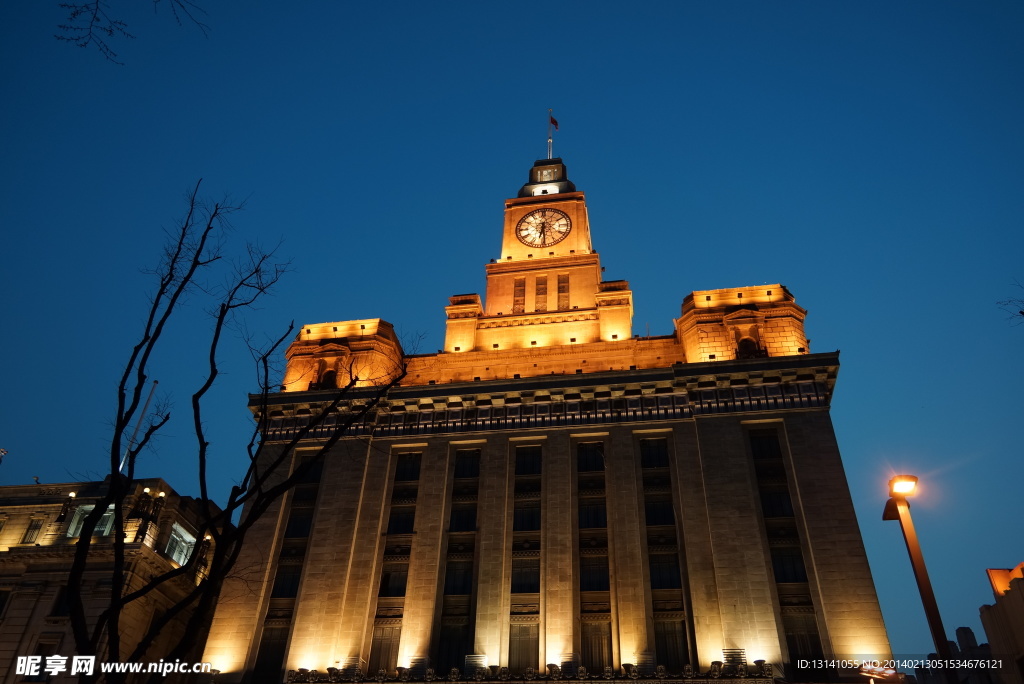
(1004, 622)
(552, 490)
(39, 530)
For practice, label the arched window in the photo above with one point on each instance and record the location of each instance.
(748, 349)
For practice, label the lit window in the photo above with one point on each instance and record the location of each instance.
(180, 545)
(103, 527)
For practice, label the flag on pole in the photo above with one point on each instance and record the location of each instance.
(554, 121)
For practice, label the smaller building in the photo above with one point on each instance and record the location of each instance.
(39, 529)
(966, 649)
(1004, 622)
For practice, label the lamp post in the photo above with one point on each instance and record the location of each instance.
(897, 508)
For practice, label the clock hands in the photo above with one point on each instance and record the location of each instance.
(543, 228)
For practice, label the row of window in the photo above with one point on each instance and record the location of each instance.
(529, 460)
(179, 544)
(787, 559)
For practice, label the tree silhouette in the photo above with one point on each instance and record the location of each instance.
(193, 259)
(90, 24)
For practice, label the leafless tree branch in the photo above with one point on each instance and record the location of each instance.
(1014, 306)
(189, 265)
(89, 24)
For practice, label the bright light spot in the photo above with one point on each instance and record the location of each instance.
(902, 485)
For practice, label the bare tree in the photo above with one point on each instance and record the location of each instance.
(1014, 306)
(195, 253)
(90, 24)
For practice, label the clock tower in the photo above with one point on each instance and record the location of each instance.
(550, 496)
(546, 289)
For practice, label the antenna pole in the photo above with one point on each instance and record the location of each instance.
(138, 424)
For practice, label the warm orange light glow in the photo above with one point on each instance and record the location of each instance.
(162, 494)
(902, 485)
(145, 490)
(1000, 578)
(72, 495)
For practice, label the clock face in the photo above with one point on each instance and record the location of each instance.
(543, 227)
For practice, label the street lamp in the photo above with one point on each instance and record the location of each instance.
(897, 508)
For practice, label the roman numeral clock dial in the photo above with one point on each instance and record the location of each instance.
(543, 227)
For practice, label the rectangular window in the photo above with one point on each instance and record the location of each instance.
(593, 514)
(393, 579)
(654, 453)
(458, 578)
(384, 648)
(670, 644)
(269, 667)
(401, 520)
(665, 571)
(180, 545)
(788, 564)
(467, 463)
(286, 581)
(305, 494)
(765, 444)
(594, 573)
(103, 527)
(5, 596)
(311, 476)
(563, 292)
(455, 644)
(463, 518)
(526, 516)
(300, 521)
(589, 456)
(528, 460)
(659, 512)
(408, 468)
(523, 648)
(525, 575)
(597, 645)
(32, 533)
(804, 643)
(541, 294)
(775, 503)
(44, 648)
(519, 295)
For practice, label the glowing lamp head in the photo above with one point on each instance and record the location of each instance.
(902, 485)
(162, 494)
(72, 495)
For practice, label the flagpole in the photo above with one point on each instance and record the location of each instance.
(550, 119)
